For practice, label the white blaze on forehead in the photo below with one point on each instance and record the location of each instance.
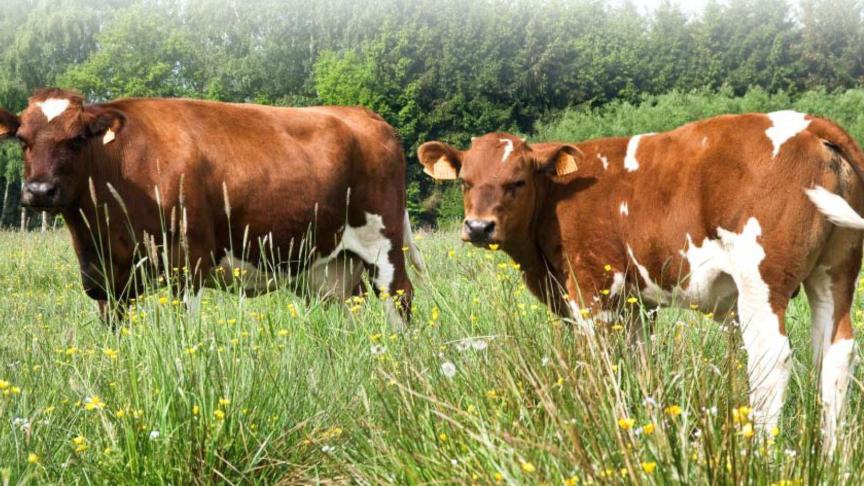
(604, 161)
(53, 107)
(623, 209)
(630, 161)
(508, 148)
(785, 125)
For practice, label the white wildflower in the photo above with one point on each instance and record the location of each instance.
(448, 369)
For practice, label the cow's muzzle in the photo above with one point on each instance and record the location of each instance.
(478, 231)
(41, 195)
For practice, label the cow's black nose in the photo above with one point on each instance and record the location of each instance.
(479, 230)
(39, 194)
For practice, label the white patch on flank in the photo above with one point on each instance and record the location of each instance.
(785, 125)
(369, 243)
(53, 107)
(617, 284)
(836, 370)
(604, 161)
(835, 208)
(630, 162)
(736, 256)
(623, 209)
(508, 148)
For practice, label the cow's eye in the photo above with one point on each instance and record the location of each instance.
(513, 186)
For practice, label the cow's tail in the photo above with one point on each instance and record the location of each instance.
(834, 207)
(414, 255)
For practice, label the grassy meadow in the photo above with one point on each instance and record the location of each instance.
(484, 388)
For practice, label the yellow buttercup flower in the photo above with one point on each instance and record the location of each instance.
(648, 428)
(93, 403)
(33, 458)
(673, 411)
(528, 467)
(219, 414)
(649, 467)
(626, 423)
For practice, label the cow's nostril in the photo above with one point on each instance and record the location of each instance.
(479, 229)
(41, 189)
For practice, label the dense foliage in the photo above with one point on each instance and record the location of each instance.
(435, 69)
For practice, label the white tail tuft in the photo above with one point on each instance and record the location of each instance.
(835, 208)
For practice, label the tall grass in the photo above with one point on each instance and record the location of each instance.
(486, 387)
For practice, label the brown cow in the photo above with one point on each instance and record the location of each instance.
(714, 214)
(229, 184)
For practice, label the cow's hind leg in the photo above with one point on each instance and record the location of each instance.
(830, 292)
(768, 354)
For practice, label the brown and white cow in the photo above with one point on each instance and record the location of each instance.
(721, 214)
(228, 184)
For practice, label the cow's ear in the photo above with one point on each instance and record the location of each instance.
(9, 124)
(557, 159)
(440, 161)
(103, 122)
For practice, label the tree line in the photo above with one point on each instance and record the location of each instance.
(435, 69)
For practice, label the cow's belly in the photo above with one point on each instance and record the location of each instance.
(715, 265)
(715, 293)
(327, 277)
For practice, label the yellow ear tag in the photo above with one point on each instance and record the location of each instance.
(443, 170)
(565, 164)
(109, 137)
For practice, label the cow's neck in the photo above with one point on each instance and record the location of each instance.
(539, 270)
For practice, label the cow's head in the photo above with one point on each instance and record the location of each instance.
(55, 129)
(501, 176)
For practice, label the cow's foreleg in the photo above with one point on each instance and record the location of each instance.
(397, 305)
(113, 313)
